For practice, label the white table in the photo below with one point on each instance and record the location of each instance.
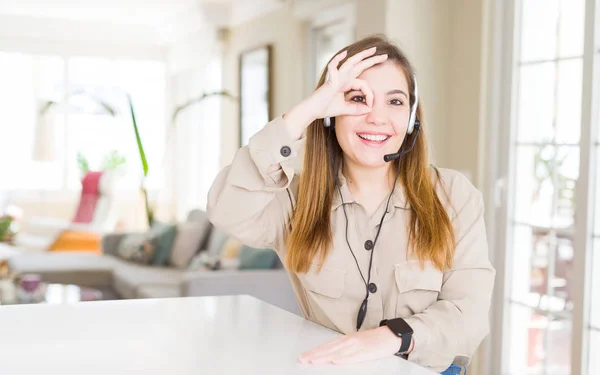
(7, 251)
(179, 336)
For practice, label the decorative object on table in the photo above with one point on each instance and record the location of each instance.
(30, 288)
(8, 292)
(12, 292)
(6, 233)
(255, 91)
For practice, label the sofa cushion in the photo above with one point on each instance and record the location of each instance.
(159, 291)
(85, 269)
(187, 242)
(129, 277)
(256, 259)
(137, 247)
(216, 241)
(165, 236)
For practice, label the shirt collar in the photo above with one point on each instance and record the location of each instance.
(398, 198)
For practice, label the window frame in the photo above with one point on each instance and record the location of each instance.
(500, 100)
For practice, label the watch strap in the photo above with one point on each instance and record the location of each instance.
(406, 340)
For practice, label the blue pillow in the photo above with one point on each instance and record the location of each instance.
(256, 259)
(164, 236)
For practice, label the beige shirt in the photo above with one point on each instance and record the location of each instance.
(448, 310)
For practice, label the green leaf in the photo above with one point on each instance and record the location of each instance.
(137, 137)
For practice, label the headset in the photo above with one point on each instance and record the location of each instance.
(413, 125)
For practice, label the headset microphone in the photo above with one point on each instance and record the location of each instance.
(389, 157)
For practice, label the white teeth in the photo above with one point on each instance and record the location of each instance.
(372, 137)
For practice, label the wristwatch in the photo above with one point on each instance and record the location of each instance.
(401, 329)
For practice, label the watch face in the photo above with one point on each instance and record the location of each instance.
(399, 326)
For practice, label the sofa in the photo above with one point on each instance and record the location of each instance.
(121, 279)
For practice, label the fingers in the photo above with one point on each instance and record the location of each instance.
(332, 67)
(367, 63)
(354, 66)
(358, 57)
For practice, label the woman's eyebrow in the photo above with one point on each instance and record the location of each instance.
(397, 91)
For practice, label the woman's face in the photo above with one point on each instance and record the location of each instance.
(365, 139)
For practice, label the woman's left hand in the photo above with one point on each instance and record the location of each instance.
(361, 346)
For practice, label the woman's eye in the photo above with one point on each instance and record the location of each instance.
(396, 102)
(358, 99)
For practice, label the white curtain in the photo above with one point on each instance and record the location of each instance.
(193, 142)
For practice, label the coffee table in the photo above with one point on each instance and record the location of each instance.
(53, 294)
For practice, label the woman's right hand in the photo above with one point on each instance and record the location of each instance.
(328, 100)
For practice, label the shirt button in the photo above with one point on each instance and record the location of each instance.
(285, 151)
(372, 288)
(369, 245)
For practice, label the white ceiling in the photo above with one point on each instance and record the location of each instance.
(159, 20)
(128, 12)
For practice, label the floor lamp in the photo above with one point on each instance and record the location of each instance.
(44, 146)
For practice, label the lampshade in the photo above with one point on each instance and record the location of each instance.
(44, 148)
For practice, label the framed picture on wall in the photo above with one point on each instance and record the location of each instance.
(255, 91)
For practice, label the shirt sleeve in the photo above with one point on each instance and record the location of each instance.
(248, 199)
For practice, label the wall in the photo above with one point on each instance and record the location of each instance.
(370, 17)
(286, 34)
(466, 82)
(422, 29)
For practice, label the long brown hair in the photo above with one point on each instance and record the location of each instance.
(431, 235)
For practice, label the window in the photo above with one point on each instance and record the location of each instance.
(81, 127)
(330, 30)
(327, 41)
(95, 135)
(594, 327)
(548, 155)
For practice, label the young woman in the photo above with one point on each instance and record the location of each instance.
(379, 245)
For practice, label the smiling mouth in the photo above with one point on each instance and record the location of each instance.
(374, 138)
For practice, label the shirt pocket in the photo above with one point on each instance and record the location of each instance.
(328, 282)
(418, 287)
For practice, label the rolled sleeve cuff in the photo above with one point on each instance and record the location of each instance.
(425, 351)
(273, 145)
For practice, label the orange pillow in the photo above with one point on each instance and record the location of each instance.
(70, 240)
